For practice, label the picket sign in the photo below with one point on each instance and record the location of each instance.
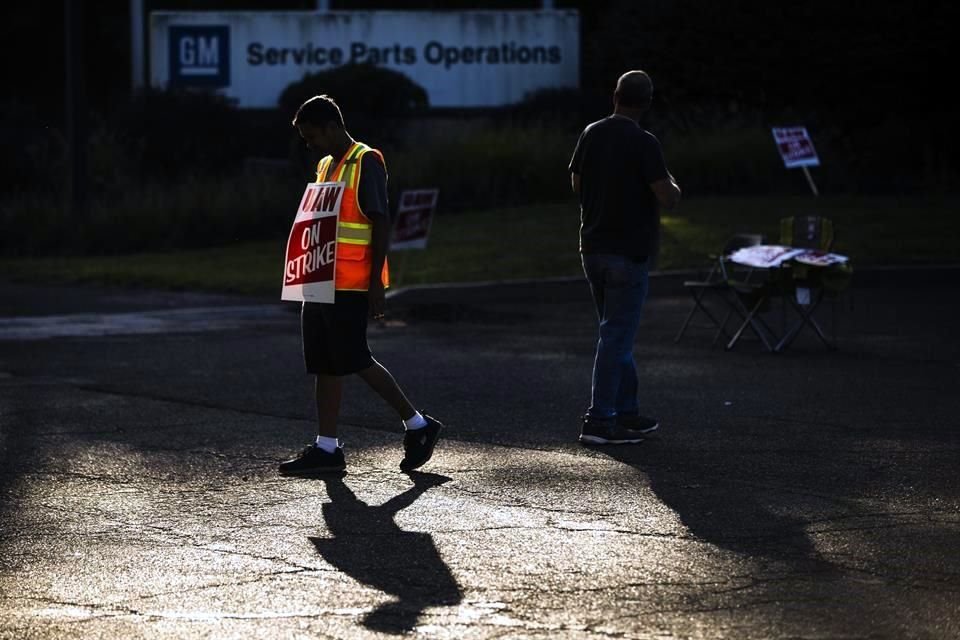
(310, 259)
(414, 217)
(796, 150)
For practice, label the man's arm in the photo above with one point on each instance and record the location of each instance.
(576, 164)
(667, 192)
(379, 245)
(373, 203)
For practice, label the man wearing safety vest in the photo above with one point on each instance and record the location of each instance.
(335, 335)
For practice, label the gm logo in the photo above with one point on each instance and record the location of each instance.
(199, 56)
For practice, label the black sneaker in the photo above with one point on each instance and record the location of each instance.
(314, 460)
(418, 444)
(594, 432)
(635, 422)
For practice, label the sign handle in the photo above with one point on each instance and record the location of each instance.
(813, 187)
(398, 278)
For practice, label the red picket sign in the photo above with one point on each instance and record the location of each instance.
(309, 267)
(413, 220)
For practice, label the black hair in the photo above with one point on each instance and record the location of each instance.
(634, 90)
(318, 111)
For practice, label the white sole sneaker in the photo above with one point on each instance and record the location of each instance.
(600, 440)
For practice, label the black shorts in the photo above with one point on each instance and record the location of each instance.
(335, 335)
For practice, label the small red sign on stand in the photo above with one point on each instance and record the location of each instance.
(796, 147)
(413, 220)
(309, 265)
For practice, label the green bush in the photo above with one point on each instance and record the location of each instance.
(372, 98)
(732, 161)
(32, 153)
(170, 134)
(167, 171)
(565, 107)
(488, 166)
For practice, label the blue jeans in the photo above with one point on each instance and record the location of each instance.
(619, 287)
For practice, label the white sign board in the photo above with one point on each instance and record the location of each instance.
(795, 147)
(309, 266)
(461, 58)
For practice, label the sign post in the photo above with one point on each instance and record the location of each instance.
(796, 149)
(310, 259)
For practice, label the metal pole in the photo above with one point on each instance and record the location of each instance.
(137, 69)
(75, 194)
(813, 187)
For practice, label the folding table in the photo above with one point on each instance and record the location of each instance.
(805, 300)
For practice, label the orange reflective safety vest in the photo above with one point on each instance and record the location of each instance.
(354, 229)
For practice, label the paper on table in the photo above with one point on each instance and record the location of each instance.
(764, 256)
(820, 258)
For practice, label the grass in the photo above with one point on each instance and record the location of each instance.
(251, 268)
(538, 241)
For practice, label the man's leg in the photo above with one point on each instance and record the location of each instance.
(615, 373)
(422, 431)
(595, 268)
(619, 287)
(329, 391)
(381, 381)
(627, 401)
(635, 294)
(325, 455)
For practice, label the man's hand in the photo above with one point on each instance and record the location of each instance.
(376, 299)
(667, 192)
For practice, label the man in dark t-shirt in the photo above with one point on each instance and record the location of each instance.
(620, 176)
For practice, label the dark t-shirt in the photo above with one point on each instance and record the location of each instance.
(372, 190)
(617, 160)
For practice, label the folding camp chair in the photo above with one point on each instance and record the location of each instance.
(807, 232)
(749, 300)
(807, 286)
(716, 282)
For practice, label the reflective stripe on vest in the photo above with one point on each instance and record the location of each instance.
(354, 229)
(354, 232)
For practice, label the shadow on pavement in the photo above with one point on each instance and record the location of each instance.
(370, 547)
(728, 508)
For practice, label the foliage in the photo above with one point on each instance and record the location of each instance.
(32, 154)
(559, 107)
(371, 98)
(486, 165)
(164, 132)
(470, 245)
(475, 165)
(198, 212)
(359, 89)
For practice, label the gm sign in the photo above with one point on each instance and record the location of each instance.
(199, 56)
(480, 58)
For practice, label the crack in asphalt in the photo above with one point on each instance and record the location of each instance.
(98, 611)
(892, 575)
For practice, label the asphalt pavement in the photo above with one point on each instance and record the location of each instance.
(805, 494)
